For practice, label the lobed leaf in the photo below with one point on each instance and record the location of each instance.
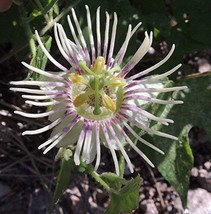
(126, 199)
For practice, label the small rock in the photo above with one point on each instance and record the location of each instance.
(207, 165)
(152, 192)
(204, 65)
(194, 172)
(202, 173)
(148, 207)
(199, 201)
(162, 186)
(178, 205)
(205, 179)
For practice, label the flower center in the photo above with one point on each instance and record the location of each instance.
(97, 93)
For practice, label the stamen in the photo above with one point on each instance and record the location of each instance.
(99, 65)
(96, 83)
(108, 102)
(119, 96)
(97, 110)
(82, 64)
(116, 82)
(80, 99)
(77, 78)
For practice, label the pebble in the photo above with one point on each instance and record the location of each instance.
(148, 207)
(199, 201)
(207, 165)
(194, 172)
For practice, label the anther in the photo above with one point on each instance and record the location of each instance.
(80, 99)
(99, 65)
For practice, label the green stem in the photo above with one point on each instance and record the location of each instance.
(96, 176)
(97, 110)
(51, 23)
(41, 9)
(82, 64)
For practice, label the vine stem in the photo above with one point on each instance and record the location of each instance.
(95, 175)
(51, 23)
(39, 4)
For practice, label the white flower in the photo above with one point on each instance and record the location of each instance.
(93, 101)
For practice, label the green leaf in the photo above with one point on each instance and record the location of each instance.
(82, 166)
(126, 199)
(67, 166)
(39, 60)
(124, 195)
(113, 180)
(127, 14)
(177, 162)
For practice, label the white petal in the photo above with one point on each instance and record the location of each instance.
(60, 66)
(141, 139)
(120, 55)
(154, 78)
(91, 38)
(98, 32)
(89, 149)
(72, 136)
(60, 141)
(79, 145)
(34, 91)
(113, 153)
(120, 145)
(61, 47)
(34, 115)
(37, 83)
(44, 129)
(105, 48)
(83, 42)
(112, 42)
(135, 147)
(39, 71)
(148, 70)
(51, 103)
(143, 49)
